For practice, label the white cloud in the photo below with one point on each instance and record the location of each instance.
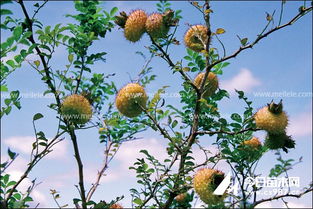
(296, 205)
(243, 81)
(265, 205)
(23, 144)
(129, 152)
(300, 125)
(125, 157)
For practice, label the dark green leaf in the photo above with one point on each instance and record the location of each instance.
(11, 154)
(37, 116)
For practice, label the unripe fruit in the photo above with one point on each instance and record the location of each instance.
(116, 205)
(253, 143)
(130, 99)
(277, 141)
(135, 25)
(195, 38)
(211, 83)
(272, 119)
(156, 26)
(205, 182)
(76, 109)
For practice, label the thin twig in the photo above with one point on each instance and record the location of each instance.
(281, 196)
(242, 48)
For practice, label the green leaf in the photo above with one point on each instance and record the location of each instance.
(137, 201)
(5, 178)
(11, 154)
(7, 101)
(5, 12)
(11, 63)
(37, 116)
(37, 63)
(188, 58)
(236, 117)
(113, 11)
(28, 199)
(17, 196)
(174, 124)
(4, 88)
(8, 110)
(11, 183)
(17, 32)
(220, 31)
(70, 58)
(75, 200)
(244, 41)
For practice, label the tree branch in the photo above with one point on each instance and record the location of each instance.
(260, 37)
(34, 161)
(172, 65)
(80, 168)
(310, 189)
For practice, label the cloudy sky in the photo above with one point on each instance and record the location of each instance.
(280, 64)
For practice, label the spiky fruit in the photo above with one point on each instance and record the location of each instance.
(205, 181)
(253, 143)
(271, 118)
(156, 26)
(130, 99)
(211, 83)
(195, 38)
(135, 25)
(277, 141)
(77, 109)
(116, 205)
(181, 197)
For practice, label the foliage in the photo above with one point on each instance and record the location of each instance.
(160, 181)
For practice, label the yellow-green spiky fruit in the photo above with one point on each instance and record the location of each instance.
(205, 182)
(271, 118)
(130, 99)
(76, 109)
(135, 25)
(253, 143)
(156, 26)
(195, 38)
(211, 83)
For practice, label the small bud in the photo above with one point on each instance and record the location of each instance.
(301, 9)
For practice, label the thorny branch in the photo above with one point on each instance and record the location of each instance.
(48, 80)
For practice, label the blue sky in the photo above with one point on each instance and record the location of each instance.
(280, 62)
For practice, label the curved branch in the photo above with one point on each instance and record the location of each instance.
(310, 189)
(34, 161)
(260, 37)
(171, 64)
